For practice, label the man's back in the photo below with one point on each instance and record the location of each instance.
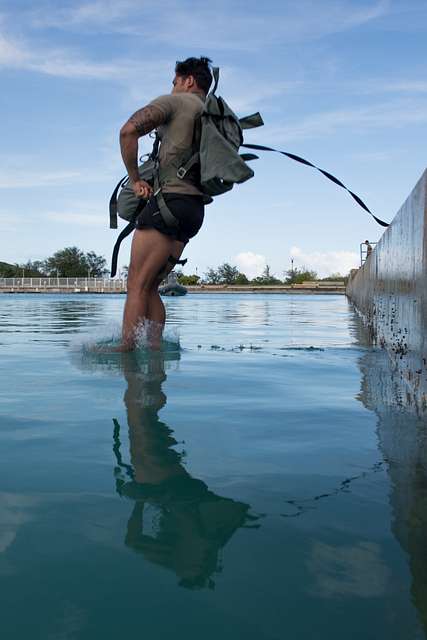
(178, 113)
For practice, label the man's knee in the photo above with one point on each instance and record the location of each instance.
(140, 282)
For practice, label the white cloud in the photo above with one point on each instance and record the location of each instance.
(325, 263)
(383, 86)
(25, 180)
(251, 264)
(15, 511)
(99, 15)
(11, 53)
(222, 26)
(348, 571)
(69, 63)
(89, 219)
(389, 115)
(101, 12)
(235, 82)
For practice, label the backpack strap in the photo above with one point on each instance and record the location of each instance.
(175, 261)
(113, 202)
(248, 156)
(122, 235)
(185, 168)
(292, 156)
(215, 73)
(165, 212)
(127, 230)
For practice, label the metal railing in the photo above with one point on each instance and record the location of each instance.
(366, 250)
(65, 284)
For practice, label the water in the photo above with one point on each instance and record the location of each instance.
(251, 483)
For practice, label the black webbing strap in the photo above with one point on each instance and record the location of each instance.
(174, 261)
(113, 203)
(165, 212)
(248, 156)
(328, 175)
(215, 73)
(124, 234)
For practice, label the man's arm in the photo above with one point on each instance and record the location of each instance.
(139, 124)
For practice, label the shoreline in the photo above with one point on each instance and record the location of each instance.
(319, 289)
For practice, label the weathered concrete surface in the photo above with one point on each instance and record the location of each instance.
(402, 438)
(390, 292)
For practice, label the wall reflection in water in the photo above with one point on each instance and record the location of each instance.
(402, 434)
(176, 521)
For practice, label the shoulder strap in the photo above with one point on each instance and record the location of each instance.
(292, 156)
(113, 202)
(127, 230)
(215, 73)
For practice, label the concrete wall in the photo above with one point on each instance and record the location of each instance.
(390, 292)
(402, 441)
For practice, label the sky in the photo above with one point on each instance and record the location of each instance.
(342, 83)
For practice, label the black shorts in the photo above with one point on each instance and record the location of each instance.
(188, 210)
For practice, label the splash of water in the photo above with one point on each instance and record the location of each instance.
(110, 340)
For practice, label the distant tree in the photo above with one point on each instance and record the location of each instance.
(212, 276)
(73, 262)
(189, 281)
(97, 265)
(300, 275)
(266, 278)
(9, 270)
(241, 278)
(68, 262)
(32, 269)
(227, 273)
(333, 277)
(29, 269)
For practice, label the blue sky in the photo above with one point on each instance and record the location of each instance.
(340, 82)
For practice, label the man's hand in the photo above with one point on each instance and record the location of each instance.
(142, 189)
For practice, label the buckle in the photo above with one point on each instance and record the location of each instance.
(181, 173)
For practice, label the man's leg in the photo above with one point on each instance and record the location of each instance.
(149, 253)
(156, 309)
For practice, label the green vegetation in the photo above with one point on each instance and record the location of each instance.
(68, 262)
(73, 262)
(267, 278)
(225, 274)
(298, 276)
(228, 274)
(188, 281)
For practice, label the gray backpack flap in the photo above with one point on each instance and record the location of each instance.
(221, 166)
(127, 202)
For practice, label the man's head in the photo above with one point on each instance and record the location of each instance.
(192, 76)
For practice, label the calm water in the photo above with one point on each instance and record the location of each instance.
(254, 483)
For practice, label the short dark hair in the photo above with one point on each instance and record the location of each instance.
(199, 69)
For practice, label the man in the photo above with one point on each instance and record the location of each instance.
(368, 248)
(157, 245)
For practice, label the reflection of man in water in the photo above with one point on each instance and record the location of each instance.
(176, 521)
